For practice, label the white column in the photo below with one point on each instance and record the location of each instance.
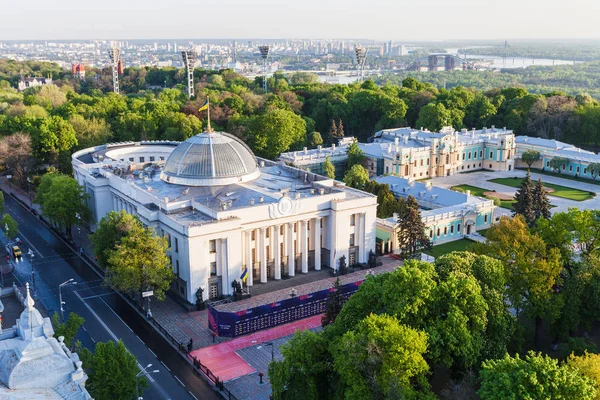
(263, 257)
(226, 285)
(304, 224)
(290, 250)
(332, 241)
(249, 257)
(276, 251)
(114, 200)
(360, 237)
(317, 242)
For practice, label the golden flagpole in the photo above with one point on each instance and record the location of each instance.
(208, 129)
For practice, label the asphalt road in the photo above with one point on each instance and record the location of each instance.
(107, 316)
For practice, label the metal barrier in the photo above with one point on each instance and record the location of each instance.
(198, 368)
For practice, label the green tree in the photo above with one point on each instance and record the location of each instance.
(305, 370)
(139, 262)
(411, 229)
(533, 377)
(587, 365)
(90, 132)
(382, 359)
(329, 168)
(276, 132)
(594, 170)
(529, 157)
(340, 130)
(11, 224)
(433, 116)
(1, 203)
(112, 372)
(355, 154)
(303, 78)
(333, 132)
(109, 232)
(335, 302)
(314, 139)
(62, 199)
(532, 269)
(525, 201)
(541, 203)
(68, 329)
(558, 163)
(356, 177)
(51, 136)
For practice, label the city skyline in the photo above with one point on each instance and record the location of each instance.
(269, 19)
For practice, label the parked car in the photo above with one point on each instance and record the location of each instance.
(16, 252)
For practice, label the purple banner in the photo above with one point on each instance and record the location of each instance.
(232, 324)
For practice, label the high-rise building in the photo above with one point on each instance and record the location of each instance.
(174, 47)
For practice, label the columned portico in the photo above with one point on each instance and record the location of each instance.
(277, 251)
(290, 249)
(317, 242)
(304, 246)
(263, 256)
(249, 265)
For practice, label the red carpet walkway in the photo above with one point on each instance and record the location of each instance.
(223, 361)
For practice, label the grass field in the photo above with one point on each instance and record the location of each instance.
(477, 191)
(559, 191)
(445, 248)
(564, 176)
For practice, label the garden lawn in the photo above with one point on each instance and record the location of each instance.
(477, 191)
(559, 191)
(445, 248)
(563, 176)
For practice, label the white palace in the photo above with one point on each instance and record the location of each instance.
(223, 210)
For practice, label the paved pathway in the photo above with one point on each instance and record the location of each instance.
(481, 179)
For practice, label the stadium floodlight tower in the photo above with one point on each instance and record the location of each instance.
(115, 57)
(361, 57)
(189, 61)
(264, 53)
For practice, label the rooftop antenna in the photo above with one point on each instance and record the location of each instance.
(189, 61)
(361, 57)
(115, 57)
(264, 53)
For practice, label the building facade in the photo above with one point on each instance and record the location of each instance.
(578, 159)
(420, 154)
(223, 210)
(26, 83)
(447, 215)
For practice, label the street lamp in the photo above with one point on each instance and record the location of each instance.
(29, 190)
(31, 255)
(66, 283)
(272, 349)
(78, 216)
(142, 372)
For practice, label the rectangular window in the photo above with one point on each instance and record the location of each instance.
(570, 168)
(268, 232)
(253, 256)
(162, 159)
(253, 235)
(585, 171)
(430, 233)
(445, 230)
(451, 229)
(352, 239)
(213, 269)
(421, 163)
(177, 264)
(491, 155)
(428, 161)
(308, 225)
(480, 153)
(464, 156)
(577, 169)
(353, 220)
(295, 247)
(131, 159)
(469, 155)
(490, 165)
(458, 229)
(268, 253)
(281, 230)
(547, 163)
(142, 159)
(152, 158)
(176, 245)
(212, 246)
(214, 291)
(296, 227)
(479, 165)
(485, 218)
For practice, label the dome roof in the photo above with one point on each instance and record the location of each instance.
(210, 159)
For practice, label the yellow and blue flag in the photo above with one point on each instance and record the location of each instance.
(204, 106)
(244, 275)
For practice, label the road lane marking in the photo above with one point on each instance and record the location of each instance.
(22, 236)
(113, 311)
(165, 365)
(152, 353)
(98, 295)
(192, 394)
(115, 338)
(179, 380)
(140, 340)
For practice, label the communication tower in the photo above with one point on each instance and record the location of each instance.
(264, 53)
(361, 57)
(115, 61)
(189, 61)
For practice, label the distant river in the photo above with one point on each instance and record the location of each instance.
(511, 62)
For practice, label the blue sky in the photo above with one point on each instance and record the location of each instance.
(371, 19)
